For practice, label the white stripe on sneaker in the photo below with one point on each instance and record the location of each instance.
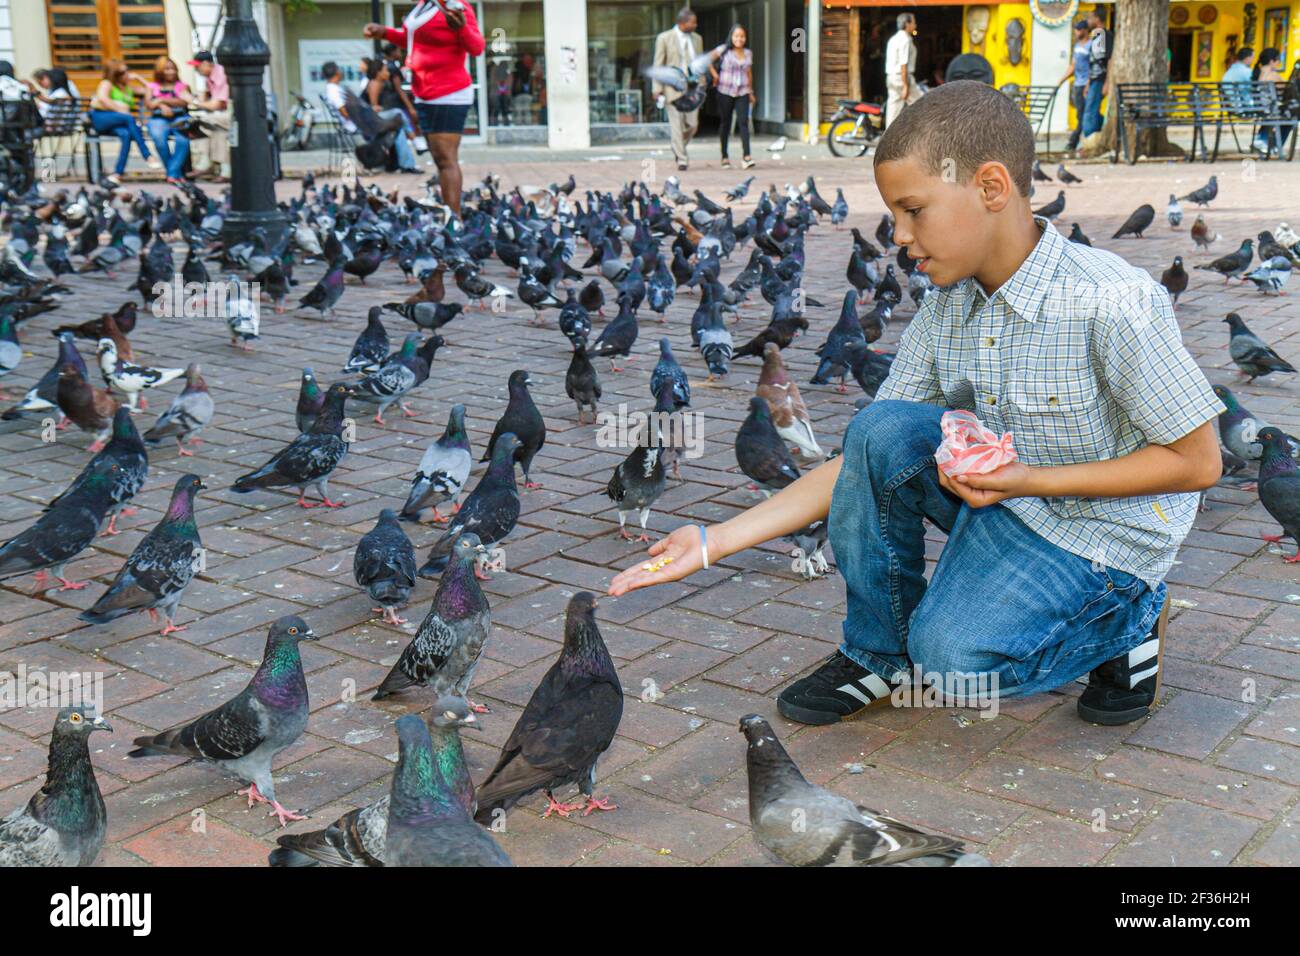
(1143, 652)
(875, 685)
(1135, 679)
(854, 692)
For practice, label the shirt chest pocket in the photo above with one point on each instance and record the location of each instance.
(1054, 418)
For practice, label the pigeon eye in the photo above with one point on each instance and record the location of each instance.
(293, 630)
(74, 718)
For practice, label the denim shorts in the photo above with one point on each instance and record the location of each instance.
(442, 118)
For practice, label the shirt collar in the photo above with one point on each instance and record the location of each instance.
(1025, 290)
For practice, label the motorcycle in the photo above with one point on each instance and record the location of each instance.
(854, 127)
(297, 135)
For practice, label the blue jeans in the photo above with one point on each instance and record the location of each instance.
(402, 145)
(160, 131)
(1078, 100)
(127, 131)
(1092, 120)
(1002, 600)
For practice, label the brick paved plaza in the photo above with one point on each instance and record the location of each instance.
(1209, 779)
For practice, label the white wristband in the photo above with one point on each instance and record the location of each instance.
(704, 546)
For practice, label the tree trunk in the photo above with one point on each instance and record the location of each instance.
(1141, 39)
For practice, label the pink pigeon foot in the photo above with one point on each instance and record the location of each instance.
(70, 585)
(172, 629)
(563, 809)
(253, 795)
(284, 816)
(390, 615)
(478, 708)
(598, 803)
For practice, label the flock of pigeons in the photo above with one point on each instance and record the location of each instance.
(644, 248)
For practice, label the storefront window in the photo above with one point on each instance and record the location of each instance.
(621, 42)
(514, 64)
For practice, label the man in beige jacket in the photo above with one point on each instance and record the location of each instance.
(677, 47)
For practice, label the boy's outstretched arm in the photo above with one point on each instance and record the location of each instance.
(793, 507)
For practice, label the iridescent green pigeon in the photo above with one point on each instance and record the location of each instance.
(428, 824)
(63, 823)
(244, 734)
(1279, 487)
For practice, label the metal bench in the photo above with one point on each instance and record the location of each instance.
(1037, 103)
(20, 123)
(64, 123)
(341, 143)
(1199, 106)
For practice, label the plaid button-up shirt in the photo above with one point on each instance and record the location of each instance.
(1079, 356)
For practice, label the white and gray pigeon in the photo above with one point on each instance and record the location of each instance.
(129, 379)
(637, 482)
(11, 353)
(244, 734)
(446, 649)
(1174, 212)
(427, 823)
(1269, 276)
(806, 825)
(64, 822)
(187, 415)
(359, 837)
(443, 471)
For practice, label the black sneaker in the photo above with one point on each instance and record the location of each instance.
(839, 689)
(1126, 688)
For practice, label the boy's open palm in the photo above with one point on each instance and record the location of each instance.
(682, 546)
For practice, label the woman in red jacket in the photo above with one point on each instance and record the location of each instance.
(438, 36)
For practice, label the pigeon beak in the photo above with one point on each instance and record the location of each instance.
(310, 635)
(99, 723)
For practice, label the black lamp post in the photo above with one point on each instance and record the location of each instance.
(376, 17)
(243, 54)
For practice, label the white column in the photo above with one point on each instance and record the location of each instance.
(813, 85)
(1049, 58)
(568, 116)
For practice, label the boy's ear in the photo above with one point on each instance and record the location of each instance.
(995, 185)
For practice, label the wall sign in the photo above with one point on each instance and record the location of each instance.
(1053, 13)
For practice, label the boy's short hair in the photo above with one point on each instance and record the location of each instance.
(961, 126)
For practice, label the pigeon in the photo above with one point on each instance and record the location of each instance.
(368, 258)
(243, 315)
(1174, 279)
(187, 415)
(1201, 233)
(1174, 213)
(885, 232)
(1239, 428)
(1279, 487)
(618, 337)
(524, 421)
(839, 208)
(244, 734)
(1205, 195)
(64, 822)
(358, 838)
(129, 379)
(777, 145)
(737, 193)
(476, 288)
(1065, 176)
(1233, 264)
(1250, 353)
(789, 413)
(446, 649)
(370, 351)
(1271, 275)
(715, 345)
(536, 295)
(636, 483)
(761, 452)
(1053, 209)
(1135, 224)
(63, 531)
(398, 376)
(126, 450)
(831, 352)
(581, 382)
(11, 352)
(1270, 248)
(491, 510)
(574, 321)
(567, 724)
(427, 823)
(426, 315)
(831, 830)
(309, 459)
(1039, 176)
(1078, 235)
(667, 370)
(310, 401)
(384, 564)
(869, 367)
(123, 320)
(324, 295)
(592, 297)
(90, 409)
(810, 541)
(888, 289)
(442, 472)
(158, 571)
